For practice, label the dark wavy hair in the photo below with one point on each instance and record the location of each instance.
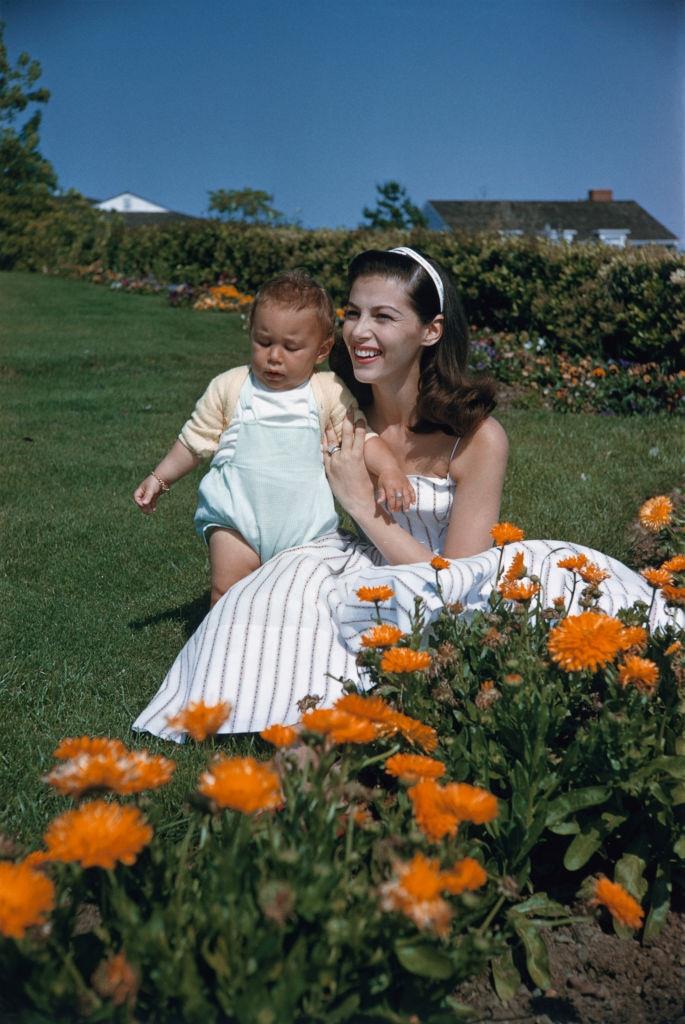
(448, 399)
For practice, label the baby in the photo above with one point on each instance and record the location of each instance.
(266, 489)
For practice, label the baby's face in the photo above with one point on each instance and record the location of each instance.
(286, 345)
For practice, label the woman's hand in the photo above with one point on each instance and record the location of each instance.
(347, 474)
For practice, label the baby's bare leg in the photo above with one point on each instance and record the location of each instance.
(231, 559)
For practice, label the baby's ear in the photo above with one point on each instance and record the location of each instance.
(324, 349)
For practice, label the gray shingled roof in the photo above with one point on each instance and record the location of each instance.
(584, 215)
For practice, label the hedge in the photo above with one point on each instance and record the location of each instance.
(582, 299)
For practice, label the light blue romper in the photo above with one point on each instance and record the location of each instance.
(271, 487)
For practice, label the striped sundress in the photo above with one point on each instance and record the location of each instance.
(291, 629)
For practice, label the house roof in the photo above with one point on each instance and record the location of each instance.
(584, 215)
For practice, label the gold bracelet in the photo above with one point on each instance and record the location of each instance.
(162, 483)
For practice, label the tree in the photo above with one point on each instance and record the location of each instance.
(393, 209)
(27, 179)
(249, 205)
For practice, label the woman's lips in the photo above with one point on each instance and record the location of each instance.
(366, 353)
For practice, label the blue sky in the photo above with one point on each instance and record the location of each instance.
(318, 100)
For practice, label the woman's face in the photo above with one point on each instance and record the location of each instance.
(383, 334)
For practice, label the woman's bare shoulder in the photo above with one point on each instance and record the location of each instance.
(487, 445)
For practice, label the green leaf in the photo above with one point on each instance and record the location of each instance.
(582, 848)
(629, 872)
(343, 1010)
(660, 906)
(679, 848)
(505, 976)
(674, 766)
(565, 828)
(539, 903)
(537, 957)
(424, 960)
(576, 800)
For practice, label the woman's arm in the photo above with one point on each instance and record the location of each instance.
(478, 470)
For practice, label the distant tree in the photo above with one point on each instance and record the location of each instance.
(393, 209)
(27, 179)
(250, 205)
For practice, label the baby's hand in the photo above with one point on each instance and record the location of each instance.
(147, 493)
(394, 490)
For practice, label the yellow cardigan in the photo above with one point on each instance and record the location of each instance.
(214, 410)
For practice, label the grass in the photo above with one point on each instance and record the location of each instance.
(98, 599)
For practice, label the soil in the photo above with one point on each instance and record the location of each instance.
(597, 978)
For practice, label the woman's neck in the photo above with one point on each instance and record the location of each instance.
(393, 404)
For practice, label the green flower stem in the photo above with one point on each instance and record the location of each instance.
(379, 757)
(491, 916)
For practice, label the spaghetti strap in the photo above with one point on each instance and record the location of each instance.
(456, 443)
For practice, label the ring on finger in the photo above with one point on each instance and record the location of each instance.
(333, 448)
(398, 494)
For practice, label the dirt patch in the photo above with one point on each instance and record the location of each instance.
(597, 978)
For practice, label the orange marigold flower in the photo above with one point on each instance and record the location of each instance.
(200, 720)
(655, 513)
(242, 784)
(26, 896)
(280, 735)
(618, 902)
(640, 672)
(469, 803)
(438, 563)
(673, 595)
(97, 835)
(517, 590)
(89, 745)
(657, 577)
(131, 773)
(673, 648)
(404, 659)
(411, 768)
(435, 818)
(633, 637)
(382, 636)
(467, 874)
(513, 678)
(415, 892)
(372, 708)
(382, 593)
(340, 726)
(585, 641)
(517, 569)
(674, 564)
(505, 533)
(573, 562)
(115, 979)
(591, 573)
(416, 732)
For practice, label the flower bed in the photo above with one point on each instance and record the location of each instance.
(391, 847)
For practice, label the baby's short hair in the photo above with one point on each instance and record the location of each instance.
(295, 289)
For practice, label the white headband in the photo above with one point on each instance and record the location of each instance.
(404, 250)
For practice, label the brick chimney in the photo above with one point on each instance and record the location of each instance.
(600, 195)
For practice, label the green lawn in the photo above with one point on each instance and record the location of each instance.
(96, 598)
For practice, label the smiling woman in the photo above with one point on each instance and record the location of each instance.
(291, 630)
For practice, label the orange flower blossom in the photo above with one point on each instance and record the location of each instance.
(89, 745)
(438, 563)
(97, 835)
(585, 641)
(382, 636)
(115, 979)
(591, 573)
(340, 726)
(640, 672)
(404, 659)
(131, 773)
(633, 637)
(517, 590)
(381, 593)
(657, 577)
(573, 562)
(619, 903)
(655, 513)
(374, 709)
(439, 809)
(505, 533)
(242, 784)
(673, 595)
(517, 569)
(673, 648)
(26, 896)
(200, 720)
(466, 874)
(280, 735)
(411, 768)
(415, 892)
(416, 732)
(674, 564)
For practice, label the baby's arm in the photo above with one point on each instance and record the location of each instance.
(392, 488)
(178, 461)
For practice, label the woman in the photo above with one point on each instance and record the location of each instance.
(291, 630)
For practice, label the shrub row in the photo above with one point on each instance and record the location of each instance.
(587, 299)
